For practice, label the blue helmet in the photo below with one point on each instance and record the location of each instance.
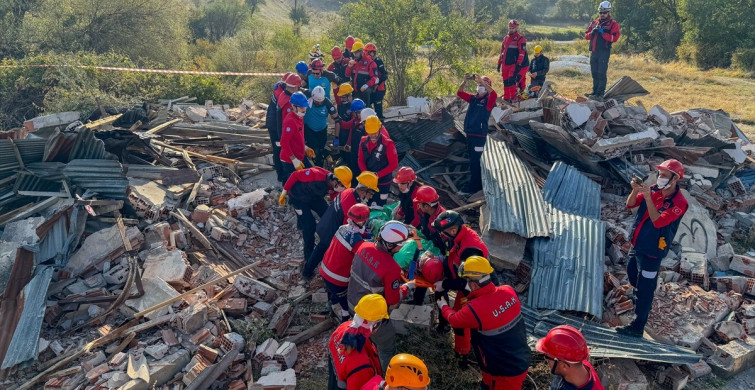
(302, 67)
(357, 105)
(299, 99)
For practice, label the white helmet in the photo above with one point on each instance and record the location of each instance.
(604, 6)
(394, 232)
(366, 113)
(318, 94)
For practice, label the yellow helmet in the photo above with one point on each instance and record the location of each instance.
(344, 175)
(357, 40)
(358, 45)
(345, 89)
(372, 124)
(475, 267)
(372, 307)
(369, 180)
(405, 370)
(538, 49)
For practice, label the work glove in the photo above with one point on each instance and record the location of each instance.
(336, 142)
(499, 67)
(309, 152)
(282, 198)
(410, 285)
(364, 87)
(298, 165)
(594, 30)
(441, 303)
(438, 286)
(602, 30)
(395, 212)
(352, 62)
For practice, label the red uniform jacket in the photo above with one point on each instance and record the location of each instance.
(466, 243)
(499, 334)
(382, 162)
(611, 34)
(292, 138)
(376, 383)
(513, 49)
(354, 369)
(374, 271)
(336, 264)
(364, 71)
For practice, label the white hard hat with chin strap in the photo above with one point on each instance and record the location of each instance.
(605, 6)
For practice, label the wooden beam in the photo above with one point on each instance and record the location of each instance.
(469, 206)
(163, 126)
(103, 121)
(194, 230)
(311, 332)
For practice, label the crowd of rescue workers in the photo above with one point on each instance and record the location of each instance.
(363, 280)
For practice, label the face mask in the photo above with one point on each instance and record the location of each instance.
(662, 182)
(340, 188)
(481, 90)
(406, 190)
(301, 114)
(467, 287)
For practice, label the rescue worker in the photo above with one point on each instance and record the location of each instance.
(363, 73)
(428, 207)
(336, 264)
(353, 357)
(306, 190)
(461, 242)
(302, 70)
(358, 130)
(538, 68)
(566, 352)
(476, 126)
(494, 315)
(407, 183)
(338, 67)
(315, 53)
(375, 271)
(379, 93)
(293, 149)
(404, 372)
(293, 85)
(660, 209)
(336, 215)
(513, 53)
(377, 153)
(348, 137)
(347, 46)
(316, 123)
(602, 33)
(316, 78)
(430, 270)
(521, 76)
(271, 122)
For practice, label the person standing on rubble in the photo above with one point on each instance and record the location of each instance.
(336, 264)
(476, 125)
(406, 211)
(316, 123)
(538, 68)
(293, 149)
(404, 372)
(348, 44)
(348, 110)
(363, 72)
(318, 76)
(338, 67)
(353, 357)
(461, 242)
(336, 216)
(377, 153)
(566, 352)
(306, 190)
(271, 122)
(511, 60)
(428, 206)
(499, 335)
(375, 271)
(602, 33)
(660, 209)
(376, 99)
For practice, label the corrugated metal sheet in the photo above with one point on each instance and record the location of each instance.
(424, 176)
(624, 89)
(572, 192)
(604, 342)
(625, 169)
(527, 138)
(410, 135)
(515, 201)
(24, 344)
(105, 177)
(65, 147)
(567, 268)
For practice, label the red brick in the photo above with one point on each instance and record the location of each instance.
(200, 336)
(169, 337)
(208, 353)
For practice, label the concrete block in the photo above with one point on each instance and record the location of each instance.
(673, 378)
(579, 113)
(192, 318)
(743, 264)
(94, 374)
(621, 374)
(119, 378)
(251, 288)
(155, 291)
(95, 360)
(217, 114)
(194, 368)
(693, 267)
(319, 297)
(287, 354)
(195, 113)
(116, 275)
(157, 351)
(208, 353)
(524, 117)
(233, 306)
(266, 350)
(269, 366)
(407, 315)
(101, 246)
(52, 120)
(169, 337)
(697, 370)
(730, 330)
(614, 113)
(710, 173)
(732, 358)
(660, 116)
(283, 380)
(606, 146)
(231, 341)
(281, 319)
(169, 266)
(696, 229)
(736, 186)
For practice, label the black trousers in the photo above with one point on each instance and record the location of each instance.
(642, 272)
(316, 140)
(275, 143)
(377, 103)
(599, 70)
(305, 221)
(475, 147)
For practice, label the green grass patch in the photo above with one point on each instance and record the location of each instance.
(554, 33)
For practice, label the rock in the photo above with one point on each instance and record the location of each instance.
(730, 330)
(155, 291)
(696, 229)
(103, 245)
(579, 113)
(169, 266)
(283, 380)
(192, 318)
(660, 116)
(698, 369)
(407, 315)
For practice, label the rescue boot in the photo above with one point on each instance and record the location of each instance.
(463, 361)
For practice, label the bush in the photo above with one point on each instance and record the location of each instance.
(744, 59)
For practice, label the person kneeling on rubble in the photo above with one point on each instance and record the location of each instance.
(336, 264)
(306, 189)
(353, 357)
(377, 153)
(476, 126)
(335, 216)
(404, 372)
(494, 315)
(407, 183)
(566, 352)
(660, 210)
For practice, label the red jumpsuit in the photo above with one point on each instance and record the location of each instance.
(364, 71)
(356, 368)
(513, 51)
(292, 138)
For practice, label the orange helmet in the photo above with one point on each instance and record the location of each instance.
(426, 194)
(564, 343)
(405, 370)
(673, 166)
(370, 47)
(404, 175)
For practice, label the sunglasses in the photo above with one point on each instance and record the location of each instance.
(603, 12)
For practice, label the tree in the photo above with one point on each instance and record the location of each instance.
(140, 29)
(11, 16)
(299, 16)
(220, 19)
(409, 33)
(575, 10)
(650, 25)
(717, 28)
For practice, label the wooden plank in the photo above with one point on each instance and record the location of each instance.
(214, 159)
(163, 126)
(43, 193)
(311, 332)
(103, 121)
(470, 206)
(180, 176)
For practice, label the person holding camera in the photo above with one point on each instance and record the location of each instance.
(602, 33)
(476, 125)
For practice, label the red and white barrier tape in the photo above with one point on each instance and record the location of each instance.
(142, 70)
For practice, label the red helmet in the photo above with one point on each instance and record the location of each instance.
(285, 76)
(294, 80)
(370, 47)
(359, 213)
(513, 23)
(673, 166)
(431, 269)
(487, 80)
(426, 194)
(336, 53)
(317, 65)
(349, 42)
(404, 175)
(564, 343)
